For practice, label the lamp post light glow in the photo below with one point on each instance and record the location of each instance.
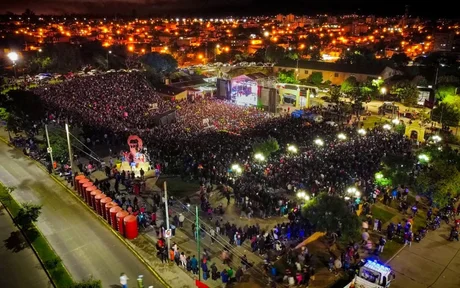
(387, 127)
(436, 138)
(395, 121)
(383, 90)
(266, 34)
(378, 175)
(259, 157)
(423, 158)
(319, 142)
(357, 194)
(352, 190)
(236, 168)
(292, 149)
(362, 132)
(301, 194)
(13, 56)
(342, 136)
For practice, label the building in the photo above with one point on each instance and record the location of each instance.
(171, 92)
(290, 18)
(443, 41)
(333, 72)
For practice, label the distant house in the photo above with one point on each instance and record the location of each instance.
(171, 93)
(336, 73)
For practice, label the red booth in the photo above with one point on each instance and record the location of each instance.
(131, 230)
(104, 202)
(109, 206)
(76, 179)
(97, 202)
(87, 194)
(81, 182)
(113, 216)
(120, 218)
(93, 194)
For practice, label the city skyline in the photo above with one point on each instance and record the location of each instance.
(223, 8)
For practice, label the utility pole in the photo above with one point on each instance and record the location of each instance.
(167, 214)
(198, 241)
(69, 146)
(50, 150)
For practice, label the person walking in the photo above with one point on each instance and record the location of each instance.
(124, 280)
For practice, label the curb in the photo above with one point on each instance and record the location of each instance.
(102, 220)
(31, 246)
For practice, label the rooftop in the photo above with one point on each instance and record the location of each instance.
(333, 67)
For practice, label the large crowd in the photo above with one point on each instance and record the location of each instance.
(210, 136)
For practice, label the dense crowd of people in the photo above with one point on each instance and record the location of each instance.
(208, 138)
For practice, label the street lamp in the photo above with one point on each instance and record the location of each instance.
(236, 168)
(362, 132)
(319, 142)
(387, 127)
(215, 52)
(108, 52)
(266, 34)
(292, 149)
(378, 175)
(259, 157)
(436, 138)
(342, 136)
(423, 158)
(395, 121)
(383, 91)
(13, 56)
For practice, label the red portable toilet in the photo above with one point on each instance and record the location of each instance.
(80, 185)
(87, 194)
(104, 202)
(120, 218)
(109, 206)
(75, 181)
(113, 216)
(136, 188)
(83, 190)
(97, 202)
(131, 230)
(92, 195)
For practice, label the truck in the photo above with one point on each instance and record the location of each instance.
(372, 274)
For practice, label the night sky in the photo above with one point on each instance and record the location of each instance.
(439, 8)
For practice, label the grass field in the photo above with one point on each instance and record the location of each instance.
(178, 187)
(60, 276)
(381, 214)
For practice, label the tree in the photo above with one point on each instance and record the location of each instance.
(400, 59)
(89, 283)
(407, 92)
(266, 147)
(335, 94)
(315, 78)
(287, 77)
(161, 63)
(329, 213)
(27, 215)
(274, 53)
(349, 86)
(22, 109)
(445, 90)
(440, 181)
(58, 142)
(446, 114)
(448, 79)
(419, 80)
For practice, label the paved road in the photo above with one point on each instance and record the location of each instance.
(434, 262)
(18, 260)
(85, 246)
